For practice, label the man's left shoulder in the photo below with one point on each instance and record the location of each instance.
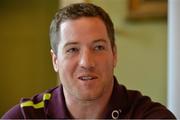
(136, 105)
(143, 106)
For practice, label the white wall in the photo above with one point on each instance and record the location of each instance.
(174, 58)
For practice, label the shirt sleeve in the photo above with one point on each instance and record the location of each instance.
(13, 113)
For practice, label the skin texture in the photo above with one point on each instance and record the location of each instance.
(85, 52)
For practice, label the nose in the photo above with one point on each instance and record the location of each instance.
(87, 60)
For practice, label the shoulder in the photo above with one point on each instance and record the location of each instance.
(140, 106)
(13, 113)
(33, 107)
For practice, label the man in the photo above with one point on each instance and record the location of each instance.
(84, 56)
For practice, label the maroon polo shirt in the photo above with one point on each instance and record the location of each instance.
(123, 104)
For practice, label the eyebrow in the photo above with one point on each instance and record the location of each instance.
(70, 43)
(100, 40)
(75, 43)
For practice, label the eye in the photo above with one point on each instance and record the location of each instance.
(72, 50)
(99, 47)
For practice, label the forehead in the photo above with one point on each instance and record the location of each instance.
(84, 28)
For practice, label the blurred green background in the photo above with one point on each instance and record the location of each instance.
(24, 48)
(25, 61)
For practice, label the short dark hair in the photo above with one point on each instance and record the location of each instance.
(75, 11)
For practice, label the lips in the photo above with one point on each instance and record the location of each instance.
(86, 78)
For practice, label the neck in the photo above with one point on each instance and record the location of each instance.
(88, 109)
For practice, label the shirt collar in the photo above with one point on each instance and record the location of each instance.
(118, 101)
(57, 107)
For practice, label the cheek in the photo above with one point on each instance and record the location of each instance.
(66, 68)
(106, 63)
(111, 61)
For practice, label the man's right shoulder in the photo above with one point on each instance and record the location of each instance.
(33, 107)
(13, 113)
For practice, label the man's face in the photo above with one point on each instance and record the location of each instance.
(85, 59)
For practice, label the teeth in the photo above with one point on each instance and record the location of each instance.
(86, 78)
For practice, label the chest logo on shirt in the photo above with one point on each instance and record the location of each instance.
(115, 113)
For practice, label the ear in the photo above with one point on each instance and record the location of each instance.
(54, 60)
(114, 55)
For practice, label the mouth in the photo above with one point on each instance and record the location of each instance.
(86, 78)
